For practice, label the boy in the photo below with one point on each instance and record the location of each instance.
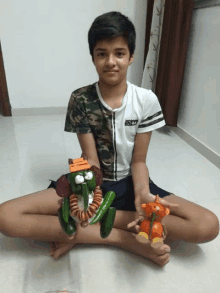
(113, 120)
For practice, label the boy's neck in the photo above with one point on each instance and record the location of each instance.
(113, 92)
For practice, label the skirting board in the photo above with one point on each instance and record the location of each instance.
(194, 143)
(39, 111)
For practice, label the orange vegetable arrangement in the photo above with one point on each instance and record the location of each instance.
(152, 229)
(78, 165)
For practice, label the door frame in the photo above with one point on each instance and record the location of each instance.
(4, 97)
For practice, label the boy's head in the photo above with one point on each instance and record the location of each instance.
(109, 26)
(108, 32)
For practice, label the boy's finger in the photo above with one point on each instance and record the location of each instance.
(173, 205)
(169, 204)
(141, 218)
(137, 228)
(132, 224)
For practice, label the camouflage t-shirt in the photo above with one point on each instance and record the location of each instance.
(114, 130)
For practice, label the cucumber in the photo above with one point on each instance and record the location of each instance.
(70, 227)
(107, 222)
(65, 209)
(108, 199)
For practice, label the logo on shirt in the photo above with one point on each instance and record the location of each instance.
(131, 122)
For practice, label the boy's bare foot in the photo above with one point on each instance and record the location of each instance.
(60, 248)
(160, 253)
(157, 252)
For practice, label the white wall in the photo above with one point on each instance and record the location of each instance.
(46, 51)
(46, 57)
(199, 113)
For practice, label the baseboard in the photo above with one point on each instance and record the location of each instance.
(39, 111)
(197, 145)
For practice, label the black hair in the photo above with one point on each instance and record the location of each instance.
(109, 26)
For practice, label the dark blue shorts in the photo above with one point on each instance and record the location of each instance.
(124, 190)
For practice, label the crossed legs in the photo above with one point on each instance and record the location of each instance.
(34, 216)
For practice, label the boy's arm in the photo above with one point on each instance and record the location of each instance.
(88, 147)
(89, 153)
(139, 170)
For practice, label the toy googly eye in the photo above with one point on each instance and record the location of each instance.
(89, 176)
(79, 179)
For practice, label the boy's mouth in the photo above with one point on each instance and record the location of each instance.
(111, 71)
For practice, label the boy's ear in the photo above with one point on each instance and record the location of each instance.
(131, 59)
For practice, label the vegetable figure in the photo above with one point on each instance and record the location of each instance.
(83, 201)
(152, 229)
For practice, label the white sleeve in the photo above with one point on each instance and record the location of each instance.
(152, 114)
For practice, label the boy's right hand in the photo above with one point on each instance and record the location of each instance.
(98, 175)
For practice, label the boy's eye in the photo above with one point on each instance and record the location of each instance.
(104, 53)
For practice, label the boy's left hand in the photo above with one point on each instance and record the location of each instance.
(146, 197)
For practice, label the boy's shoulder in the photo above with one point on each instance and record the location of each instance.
(85, 90)
(142, 90)
(84, 95)
(144, 95)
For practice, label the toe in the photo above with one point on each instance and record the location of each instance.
(63, 249)
(164, 259)
(52, 247)
(160, 248)
(165, 262)
(57, 253)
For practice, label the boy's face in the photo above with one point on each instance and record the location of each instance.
(112, 59)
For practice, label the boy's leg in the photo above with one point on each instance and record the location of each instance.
(22, 217)
(35, 216)
(190, 222)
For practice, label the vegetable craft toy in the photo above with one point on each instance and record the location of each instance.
(82, 199)
(152, 229)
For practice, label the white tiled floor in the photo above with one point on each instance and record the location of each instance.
(36, 149)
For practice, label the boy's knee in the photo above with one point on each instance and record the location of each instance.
(5, 220)
(210, 228)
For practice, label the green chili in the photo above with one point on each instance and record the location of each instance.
(109, 197)
(65, 209)
(107, 222)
